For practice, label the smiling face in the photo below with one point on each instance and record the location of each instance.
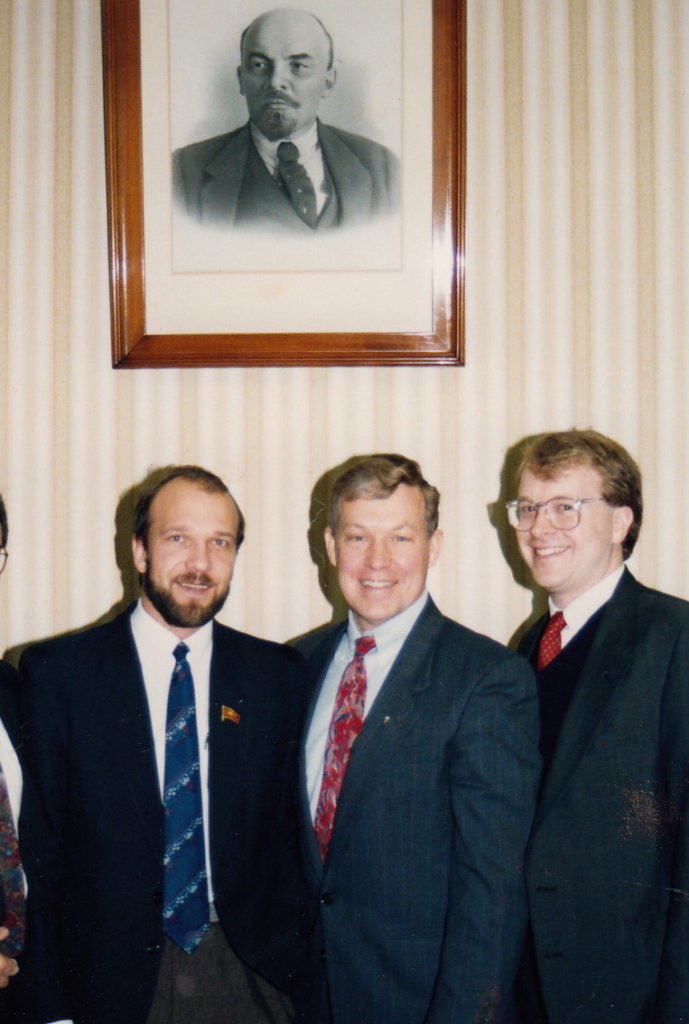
(187, 560)
(382, 552)
(567, 563)
(285, 72)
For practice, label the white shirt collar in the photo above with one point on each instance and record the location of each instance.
(579, 611)
(392, 632)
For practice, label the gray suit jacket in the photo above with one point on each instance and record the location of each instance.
(608, 862)
(423, 904)
(223, 180)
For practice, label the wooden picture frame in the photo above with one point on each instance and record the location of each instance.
(133, 345)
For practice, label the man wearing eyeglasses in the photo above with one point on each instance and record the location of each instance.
(11, 903)
(608, 860)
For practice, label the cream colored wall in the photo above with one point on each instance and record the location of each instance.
(577, 276)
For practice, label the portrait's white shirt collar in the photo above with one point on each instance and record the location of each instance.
(306, 142)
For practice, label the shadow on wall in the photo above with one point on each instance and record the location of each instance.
(122, 545)
(508, 540)
(327, 573)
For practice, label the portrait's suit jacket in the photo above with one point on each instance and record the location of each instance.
(608, 861)
(95, 870)
(423, 903)
(223, 180)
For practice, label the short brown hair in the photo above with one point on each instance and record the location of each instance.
(547, 455)
(203, 478)
(377, 476)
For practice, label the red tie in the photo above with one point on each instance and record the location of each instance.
(345, 725)
(551, 641)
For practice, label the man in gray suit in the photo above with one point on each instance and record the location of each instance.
(608, 860)
(285, 168)
(420, 771)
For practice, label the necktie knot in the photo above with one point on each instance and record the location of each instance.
(363, 644)
(288, 153)
(551, 641)
(180, 652)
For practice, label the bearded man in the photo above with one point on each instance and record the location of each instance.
(164, 877)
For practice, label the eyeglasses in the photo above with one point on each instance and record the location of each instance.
(4, 553)
(562, 513)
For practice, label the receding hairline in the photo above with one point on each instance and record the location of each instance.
(289, 10)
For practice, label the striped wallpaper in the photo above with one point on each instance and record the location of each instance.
(577, 277)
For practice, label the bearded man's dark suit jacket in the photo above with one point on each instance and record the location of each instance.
(224, 181)
(95, 871)
(423, 903)
(608, 861)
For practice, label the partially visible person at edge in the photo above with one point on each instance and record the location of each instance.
(12, 885)
(608, 861)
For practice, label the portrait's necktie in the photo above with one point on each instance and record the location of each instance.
(297, 182)
(11, 877)
(551, 641)
(345, 725)
(185, 890)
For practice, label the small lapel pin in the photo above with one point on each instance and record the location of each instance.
(386, 719)
(229, 715)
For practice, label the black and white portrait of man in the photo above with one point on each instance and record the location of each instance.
(285, 168)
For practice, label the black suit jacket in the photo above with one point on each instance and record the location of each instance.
(223, 180)
(423, 904)
(95, 864)
(608, 861)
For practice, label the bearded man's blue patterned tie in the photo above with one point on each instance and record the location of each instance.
(185, 913)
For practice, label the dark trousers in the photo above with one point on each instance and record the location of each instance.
(212, 986)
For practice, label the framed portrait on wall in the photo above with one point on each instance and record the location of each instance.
(285, 186)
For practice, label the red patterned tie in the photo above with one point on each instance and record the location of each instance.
(551, 641)
(345, 725)
(11, 876)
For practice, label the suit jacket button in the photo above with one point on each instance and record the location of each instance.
(327, 898)
(157, 896)
(153, 947)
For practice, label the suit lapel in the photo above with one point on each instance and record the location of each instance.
(353, 182)
(225, 172)
(230, 738)
(608, 662)
(8, 702)
(388, 719)
(129, 733)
